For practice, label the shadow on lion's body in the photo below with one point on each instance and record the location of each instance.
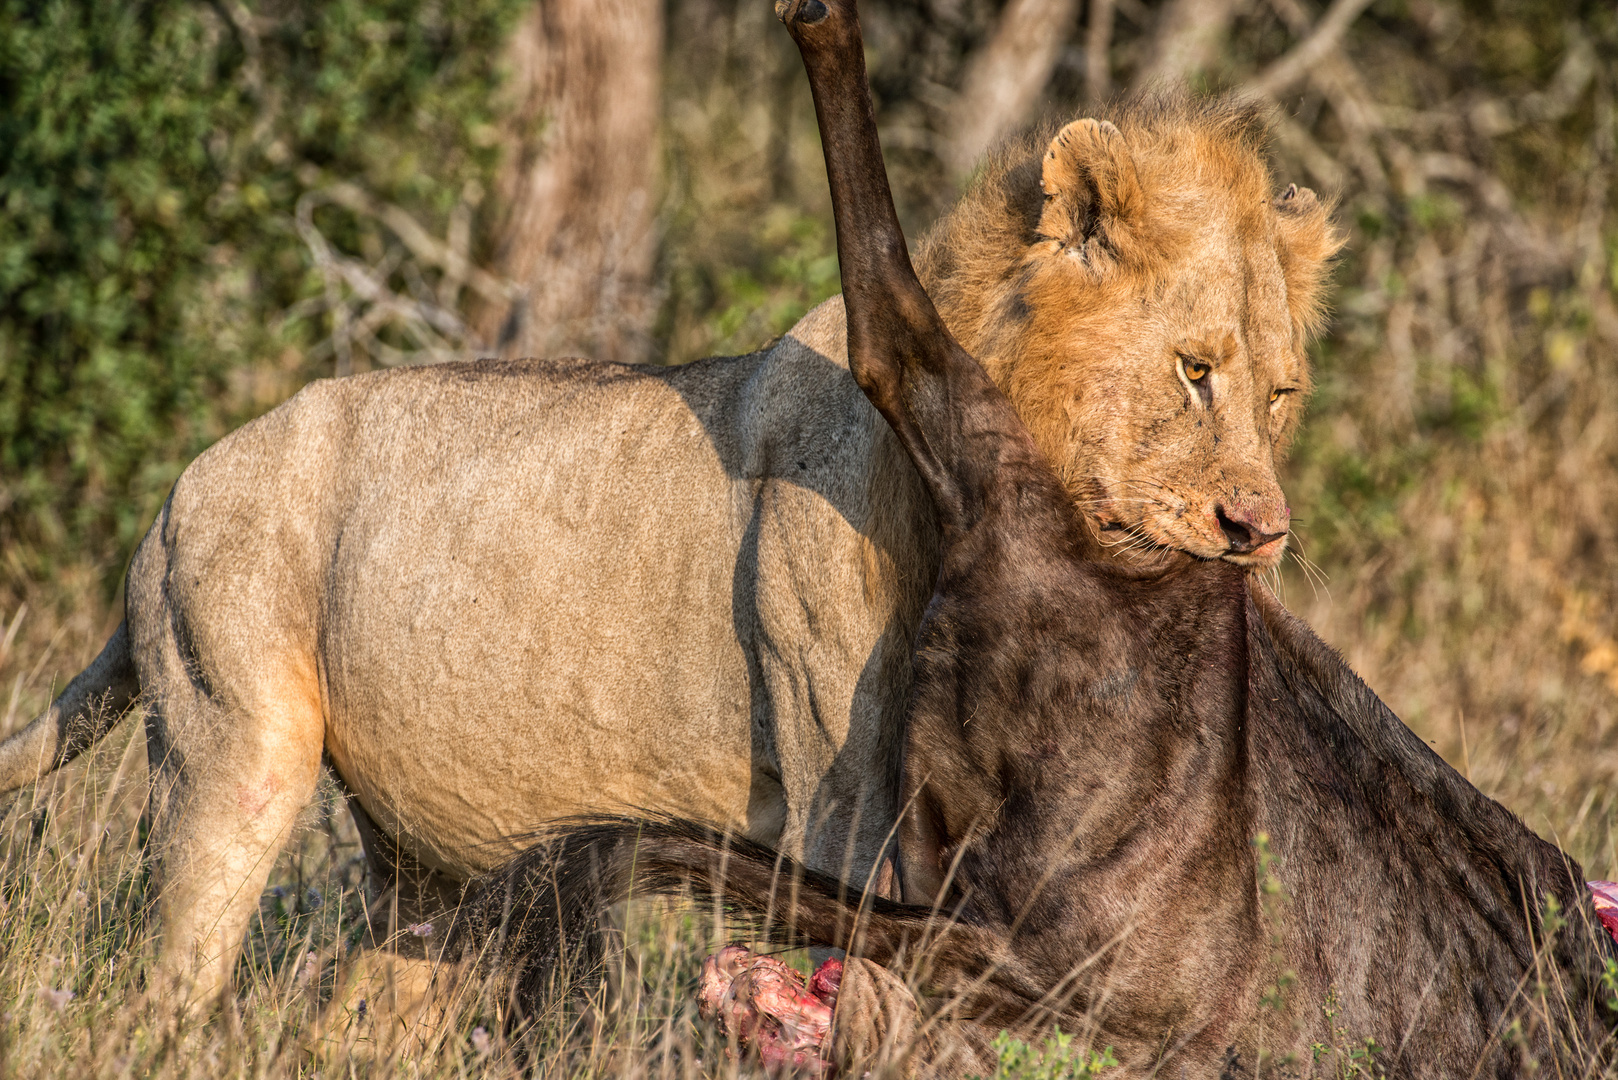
(494, 594)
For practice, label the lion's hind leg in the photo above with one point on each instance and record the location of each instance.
(234, 740)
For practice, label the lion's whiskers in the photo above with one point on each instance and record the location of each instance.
(1311, 571)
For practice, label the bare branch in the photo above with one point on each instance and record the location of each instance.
(421, 243)
(1337, 80)
(460, 246)
(1276, 78)
(361, 299)
(1324, 170)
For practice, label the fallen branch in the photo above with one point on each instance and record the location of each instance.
(362, 302)
(422, 244)
(1276, 78)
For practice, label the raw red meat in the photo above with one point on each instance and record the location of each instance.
(1605, 895)
(764, 1005)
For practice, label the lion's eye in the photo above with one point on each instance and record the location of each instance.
(1195, 373)
(1276, 394)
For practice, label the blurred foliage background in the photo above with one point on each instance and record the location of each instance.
(205, 205)
(155, 290)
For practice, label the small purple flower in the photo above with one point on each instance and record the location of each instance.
(480, 1041)
(422, 929)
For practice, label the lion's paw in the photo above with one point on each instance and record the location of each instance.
(766, 1006)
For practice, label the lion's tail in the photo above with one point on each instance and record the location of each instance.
(76, 720)
(538, 917)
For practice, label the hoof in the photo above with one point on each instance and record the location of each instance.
(766, 1007)
(808, 12)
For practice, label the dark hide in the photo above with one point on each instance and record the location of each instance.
(1146, 802)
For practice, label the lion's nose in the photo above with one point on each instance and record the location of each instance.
(1246, 531)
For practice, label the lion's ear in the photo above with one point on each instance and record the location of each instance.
(1094, 204)
(1307, 241)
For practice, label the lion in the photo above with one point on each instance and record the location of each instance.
(493, 594)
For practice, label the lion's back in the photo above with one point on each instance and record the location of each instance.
(408, 464)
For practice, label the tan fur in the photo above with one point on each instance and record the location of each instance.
(494, 594)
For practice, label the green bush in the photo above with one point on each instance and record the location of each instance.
(151, 156)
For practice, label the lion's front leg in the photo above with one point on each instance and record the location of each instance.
(398, 988)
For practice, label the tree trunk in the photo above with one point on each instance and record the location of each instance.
(578, 185)
(1007, 75)
(1189, 37)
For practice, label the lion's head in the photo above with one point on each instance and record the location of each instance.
(1144, 294)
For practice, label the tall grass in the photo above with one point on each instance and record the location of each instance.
(79, 994)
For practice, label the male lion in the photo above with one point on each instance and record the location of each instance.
(496, 593)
